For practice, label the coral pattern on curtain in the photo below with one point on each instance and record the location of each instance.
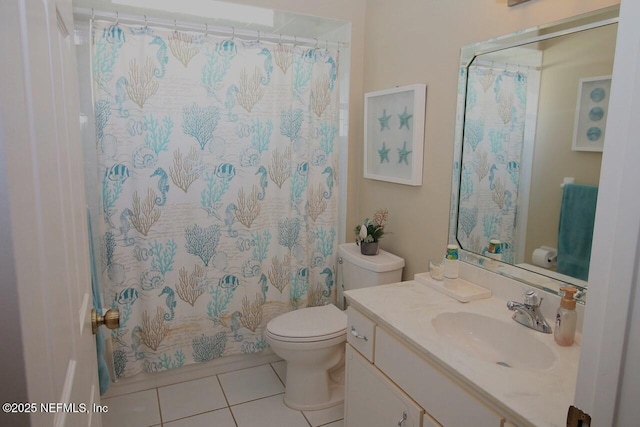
(492, 150)
(218, 171)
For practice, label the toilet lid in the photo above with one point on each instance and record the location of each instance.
(309, 324)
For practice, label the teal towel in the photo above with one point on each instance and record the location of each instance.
(103, 370)
(577, 215)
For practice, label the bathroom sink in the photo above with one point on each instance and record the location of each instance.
(494, 341)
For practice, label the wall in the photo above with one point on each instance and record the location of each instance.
(419, 41)
(591, 55)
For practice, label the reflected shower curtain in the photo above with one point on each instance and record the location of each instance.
(217, 164)
(494, 128)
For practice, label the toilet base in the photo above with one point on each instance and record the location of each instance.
(337, 398)
(311, 391)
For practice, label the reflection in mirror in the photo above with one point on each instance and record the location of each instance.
(518, 104)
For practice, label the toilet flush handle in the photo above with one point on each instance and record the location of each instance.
(355, 334)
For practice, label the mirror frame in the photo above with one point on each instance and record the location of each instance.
(575, 24)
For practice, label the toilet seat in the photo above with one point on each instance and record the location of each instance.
(310, 324)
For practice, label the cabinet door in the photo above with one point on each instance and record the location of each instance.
(372, 400)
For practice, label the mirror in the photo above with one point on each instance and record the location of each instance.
(531, 116)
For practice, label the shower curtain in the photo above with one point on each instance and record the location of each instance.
(494, 128)
(217, 166)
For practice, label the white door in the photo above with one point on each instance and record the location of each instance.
(42, 155)
(608, 374)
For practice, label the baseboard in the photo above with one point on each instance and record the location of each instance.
(144, 381)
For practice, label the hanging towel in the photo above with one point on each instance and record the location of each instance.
(577, 214)
(103, 370)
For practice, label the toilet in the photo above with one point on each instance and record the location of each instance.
(311, 340)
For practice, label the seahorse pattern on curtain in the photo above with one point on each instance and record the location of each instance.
(219, 209)
(493, 139)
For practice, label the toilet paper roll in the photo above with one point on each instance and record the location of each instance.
(543, 257)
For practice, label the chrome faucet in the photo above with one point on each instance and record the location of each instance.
(528, 313)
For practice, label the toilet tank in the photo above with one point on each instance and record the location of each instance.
(361, 271)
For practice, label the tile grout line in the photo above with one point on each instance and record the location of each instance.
(266, 397)
(276, 372)
(184, 381)
(331, 422)
(159, 406)
(306, 419)
(201, 413)
(256, 399)
(227, 401)
(131, 392)
(211, 410)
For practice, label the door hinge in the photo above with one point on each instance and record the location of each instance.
(577, 418)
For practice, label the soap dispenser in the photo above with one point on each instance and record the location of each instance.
(566, 317)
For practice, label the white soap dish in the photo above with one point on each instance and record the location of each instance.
(458, 288)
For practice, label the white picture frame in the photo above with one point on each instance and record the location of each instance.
(515, 2)
(592, 108)
(394, 134)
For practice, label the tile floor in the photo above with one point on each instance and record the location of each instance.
(246, 398)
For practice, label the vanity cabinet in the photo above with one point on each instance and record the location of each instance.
(393, 379)
(374, 400)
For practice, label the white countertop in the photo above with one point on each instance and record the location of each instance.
(538, 398)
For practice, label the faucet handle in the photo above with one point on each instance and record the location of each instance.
(531, 298)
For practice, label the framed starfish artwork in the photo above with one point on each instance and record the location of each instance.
(592, 107)
(394, 134)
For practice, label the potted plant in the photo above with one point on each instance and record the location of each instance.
(371, 231)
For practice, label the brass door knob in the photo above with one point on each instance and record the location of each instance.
(111, 320)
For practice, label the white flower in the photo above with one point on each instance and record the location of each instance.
(363, 232)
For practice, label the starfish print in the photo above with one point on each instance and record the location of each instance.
(403, 153)
(404, 118)
(384, 153)
(384, 120)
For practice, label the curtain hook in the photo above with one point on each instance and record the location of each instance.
(258, 36)
(316, 45)
(233, 33)
(117, 18)
(93, 16)
(280, 40)
(206, 29)
(175, 26)
(326, 45)
(146, 25)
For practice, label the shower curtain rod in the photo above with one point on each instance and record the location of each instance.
(204, 28)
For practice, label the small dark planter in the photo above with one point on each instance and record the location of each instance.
(370, 248)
